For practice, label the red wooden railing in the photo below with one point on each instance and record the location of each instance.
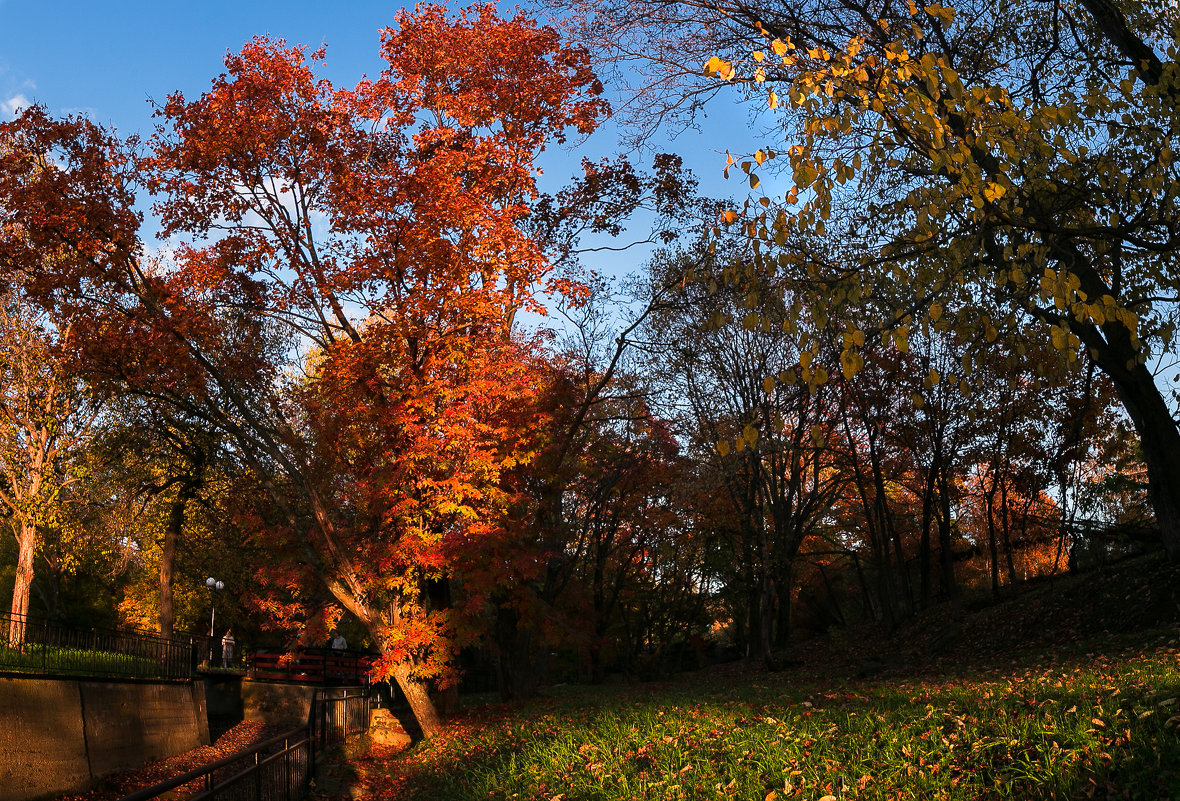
(311, 666)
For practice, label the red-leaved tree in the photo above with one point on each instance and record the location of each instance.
(343, 306)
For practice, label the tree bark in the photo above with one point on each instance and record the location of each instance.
(1160, 441)
(27, 549)
(418, 697)
(947, 557)
(924, 542)
(993, 551)
(172, 532)
(1006, 530)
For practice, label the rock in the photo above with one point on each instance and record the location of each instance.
(382, 717)
(384, 729)
(389, 737)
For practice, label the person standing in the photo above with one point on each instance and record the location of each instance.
(227, 649)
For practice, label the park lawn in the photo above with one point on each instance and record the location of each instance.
(1087, 725)
(57, 660)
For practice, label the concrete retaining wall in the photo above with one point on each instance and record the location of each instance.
(58, 735)
(278, 703)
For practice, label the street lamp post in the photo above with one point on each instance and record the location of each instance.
(213, 585)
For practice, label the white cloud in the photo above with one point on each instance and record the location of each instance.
(12, 106)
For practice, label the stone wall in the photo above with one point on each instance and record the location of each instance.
(277, 702)
(59, 735)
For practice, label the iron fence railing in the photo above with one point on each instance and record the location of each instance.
(337, 713)
(278, 768)
(31, 646)
(281, 768)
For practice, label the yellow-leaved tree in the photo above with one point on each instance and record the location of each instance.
(970, 166)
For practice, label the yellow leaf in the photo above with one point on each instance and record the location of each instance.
(918, 400)
(759, 55)
(720, 68)
(1059, 338)
(750, 434)
(993, 192)
(935, 311)
(772, 100)
(723, 447)
(858, 338)
(941, 12)
(768, 384)
(754, 181)
(779, 47)
(932, 377)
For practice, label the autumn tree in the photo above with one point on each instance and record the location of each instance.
(730, 377)
(45, 418)
(158, 465)
(366, 238)
(619, 507)
(1022, 150)
(587, 376)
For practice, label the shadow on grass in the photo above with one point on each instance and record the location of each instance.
(1072, 728)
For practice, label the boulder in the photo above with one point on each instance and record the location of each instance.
(384, 729)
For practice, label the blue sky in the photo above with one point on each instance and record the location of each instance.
(107, 60)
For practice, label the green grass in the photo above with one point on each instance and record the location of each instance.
(1099, 726)
(54, 660)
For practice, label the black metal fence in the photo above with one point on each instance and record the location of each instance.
(30, 646)
(337, 713)
(281, 768)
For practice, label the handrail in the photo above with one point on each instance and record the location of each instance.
(311, 665)
(258, 765)
(196, 773)
(324, 727)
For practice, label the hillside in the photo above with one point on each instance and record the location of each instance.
(1067, 689)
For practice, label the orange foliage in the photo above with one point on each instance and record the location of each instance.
(365, 239)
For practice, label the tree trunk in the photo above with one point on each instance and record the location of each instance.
(924, 542)
(993, 551)
(782, 587)
(418, 697)
(1160, 440)
(188, 490)
(944, 541)
(27, 543)
(1006, 530)
(765, 633)
(1116, 355)
(172, 531)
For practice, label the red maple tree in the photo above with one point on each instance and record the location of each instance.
(343, 304)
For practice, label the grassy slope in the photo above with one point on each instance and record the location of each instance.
(1068, 690)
